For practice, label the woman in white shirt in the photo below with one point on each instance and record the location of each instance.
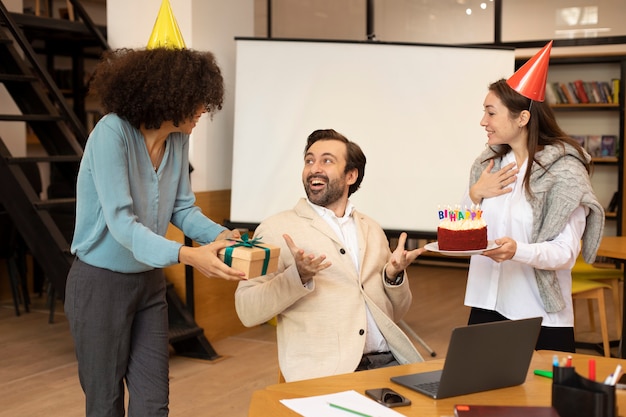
(532, 182)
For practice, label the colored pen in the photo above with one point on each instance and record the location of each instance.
(592, 369)
(568, 361)
(541, 372)
(555, 360)
(615, 375)
(358, 413)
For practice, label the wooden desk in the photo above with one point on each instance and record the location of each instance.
(615, 247)
(536, 390)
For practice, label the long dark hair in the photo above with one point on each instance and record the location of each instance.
(542, 126)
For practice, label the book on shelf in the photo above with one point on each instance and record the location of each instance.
(572, 90)
(556, 87)
(594, 87)
(593, 95)
(608, 145)
(581, 139)
(605, 92)
(552, 96)
(594, 145)
(569, 97)
(581, 94)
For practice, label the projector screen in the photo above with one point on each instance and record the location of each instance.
(413, 109)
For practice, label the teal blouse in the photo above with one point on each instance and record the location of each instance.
(124, 207)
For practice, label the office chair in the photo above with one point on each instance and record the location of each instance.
(590, 290)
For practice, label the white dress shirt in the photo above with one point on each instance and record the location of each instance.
(510, 287)
(345, 229)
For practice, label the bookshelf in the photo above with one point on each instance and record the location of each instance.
(592, 120)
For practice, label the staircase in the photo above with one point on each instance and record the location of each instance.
(43, 109)
(46, 225)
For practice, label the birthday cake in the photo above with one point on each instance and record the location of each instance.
(461, 230)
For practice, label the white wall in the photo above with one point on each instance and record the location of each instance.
(13, 5)
(215, 25)
(205, 25)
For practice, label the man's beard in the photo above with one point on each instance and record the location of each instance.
(330, 194)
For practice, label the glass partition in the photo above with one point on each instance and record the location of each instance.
(434, 21)
(562, 19)
(442, 21)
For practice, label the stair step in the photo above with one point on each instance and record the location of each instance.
(54, 203)
(30, 118)
(49, 158)
(182, 331)
(17, 77)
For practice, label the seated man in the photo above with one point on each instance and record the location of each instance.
(338, 290)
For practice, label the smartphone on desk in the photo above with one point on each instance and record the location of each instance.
(387, 397)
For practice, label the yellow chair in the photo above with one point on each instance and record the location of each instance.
(610, 275)
(588, 289)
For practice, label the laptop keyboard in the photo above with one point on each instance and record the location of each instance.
(431, 387)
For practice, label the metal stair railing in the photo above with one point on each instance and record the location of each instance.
(80, 11)
(41, 73)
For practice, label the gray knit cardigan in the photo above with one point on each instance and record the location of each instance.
(559, 185)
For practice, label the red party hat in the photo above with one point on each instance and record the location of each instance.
(530, 79)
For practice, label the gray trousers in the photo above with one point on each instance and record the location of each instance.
(376, 360)
(120, 330)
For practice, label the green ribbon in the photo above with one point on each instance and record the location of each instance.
(246, 242)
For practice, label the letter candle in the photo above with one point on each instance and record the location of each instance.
(473, 213)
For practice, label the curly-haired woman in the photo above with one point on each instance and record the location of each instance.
(133, 181)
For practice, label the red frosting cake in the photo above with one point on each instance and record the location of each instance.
(460, 240)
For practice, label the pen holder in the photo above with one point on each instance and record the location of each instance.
(576, 396)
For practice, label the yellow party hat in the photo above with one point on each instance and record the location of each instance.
(166, 33)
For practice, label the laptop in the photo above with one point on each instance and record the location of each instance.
(481, 357)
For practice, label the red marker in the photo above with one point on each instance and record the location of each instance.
(592, 369)
(568, 363)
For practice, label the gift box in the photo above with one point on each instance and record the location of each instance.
(251, 256)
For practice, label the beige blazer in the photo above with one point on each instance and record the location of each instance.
(321, 328)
